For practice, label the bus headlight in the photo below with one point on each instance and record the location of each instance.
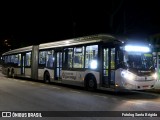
(127, 75)
(155, 76)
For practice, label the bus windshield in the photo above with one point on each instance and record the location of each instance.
(139, 60)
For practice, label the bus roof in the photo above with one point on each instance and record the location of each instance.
(68, 42)
(24, 49)
(79, 41)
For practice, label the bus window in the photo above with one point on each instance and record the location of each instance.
(67, 57)
(106, 59)
(5, 59)
(50, 59)
(113, 58)
(78, 57)
(12, 58)
(70, 57)
(16, 59)
(9, 59)
(42, 57)
(91, 56)
(19, 59)
(64, 58)
(28, 59)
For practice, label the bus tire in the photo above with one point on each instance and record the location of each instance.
(46, 77)
(12, 73)
(91, 83)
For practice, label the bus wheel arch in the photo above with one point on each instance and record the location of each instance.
(46, 77)
(90, 82)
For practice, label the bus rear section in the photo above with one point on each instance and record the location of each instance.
(22, 62)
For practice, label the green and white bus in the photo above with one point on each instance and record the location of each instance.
(95, 61)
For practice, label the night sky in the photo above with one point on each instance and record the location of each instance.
(24, 24)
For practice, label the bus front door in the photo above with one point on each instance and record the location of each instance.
(108, 79)
(58, 65)
(23, 64)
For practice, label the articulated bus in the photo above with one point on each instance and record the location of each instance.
(95, 61)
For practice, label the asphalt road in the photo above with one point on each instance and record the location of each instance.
(27, 95)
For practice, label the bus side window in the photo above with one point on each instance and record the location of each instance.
(67, 57)
(5, 59)
(113, 58)
(64, 58)
(42, 58)
(28, 59)
(12, 58)
(78, 57)
(91, 56)
(9, 59)
(50, 59)
(16, 60)
(19, 59)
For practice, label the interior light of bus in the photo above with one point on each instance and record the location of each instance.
(131, 48)
(93, 64)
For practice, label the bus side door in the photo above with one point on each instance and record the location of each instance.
(108, 72)
(23, 63)
(58, 65)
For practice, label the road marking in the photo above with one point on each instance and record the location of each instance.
(101, 96)
(75, 91)
(56, 88)
(43, 85)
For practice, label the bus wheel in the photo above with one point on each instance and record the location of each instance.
(91, 83)
(12, 73)
(46, 77)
